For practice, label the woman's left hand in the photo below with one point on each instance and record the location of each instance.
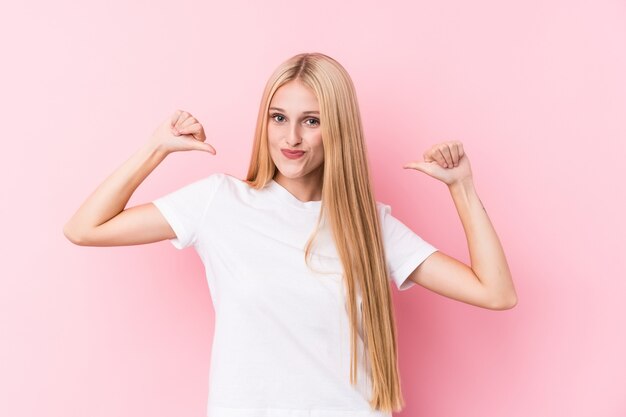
(445, 161)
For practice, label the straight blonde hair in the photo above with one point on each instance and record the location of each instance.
(349, 205)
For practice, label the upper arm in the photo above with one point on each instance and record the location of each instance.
(133, 226)
(451, 278)
(176, 216)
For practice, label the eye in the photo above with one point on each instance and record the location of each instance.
(316, 122)
(275, 115)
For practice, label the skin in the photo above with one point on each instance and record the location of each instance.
(486, 283)
(103, 220)
(294, 124)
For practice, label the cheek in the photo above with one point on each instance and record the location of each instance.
(319, 144)
(272, 135)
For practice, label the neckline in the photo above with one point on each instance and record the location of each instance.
(291, 199)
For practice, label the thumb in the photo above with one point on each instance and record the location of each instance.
(208, 148)
(200, 146)
(420, 166)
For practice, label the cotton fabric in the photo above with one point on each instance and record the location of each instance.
(281, 346)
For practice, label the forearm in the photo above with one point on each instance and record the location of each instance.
(112, 195)
(486, 253)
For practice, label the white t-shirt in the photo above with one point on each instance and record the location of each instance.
(281, 346)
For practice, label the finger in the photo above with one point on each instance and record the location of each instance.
(173, 120)
(415, 165)
(447, 154)
(194, 144)
(186, 123)
(434, 155)
(440, 158)
(195, 130)
(183, 115)
(202, 146)
(461, 151)
(454, 150)
(174, 117)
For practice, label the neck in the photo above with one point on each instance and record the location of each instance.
(307, 188)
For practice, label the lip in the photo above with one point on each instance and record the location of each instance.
(292, 154)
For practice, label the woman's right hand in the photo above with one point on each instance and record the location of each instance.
(181, 132)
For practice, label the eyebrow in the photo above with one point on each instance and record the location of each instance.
(304, 112)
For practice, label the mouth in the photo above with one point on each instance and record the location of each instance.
(292, 154)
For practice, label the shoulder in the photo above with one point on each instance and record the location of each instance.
(217, 179)
(230, 181)
(202, 188)
(382, 208)
(386, 217)
(207, 184)
(380, 205)
(230, 186)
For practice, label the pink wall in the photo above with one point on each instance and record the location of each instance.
(535, 91)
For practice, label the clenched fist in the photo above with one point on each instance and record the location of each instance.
(445, 161)
(181, 132)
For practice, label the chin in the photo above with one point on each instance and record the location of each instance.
(290, 174)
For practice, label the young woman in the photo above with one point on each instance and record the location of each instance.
(299, 255)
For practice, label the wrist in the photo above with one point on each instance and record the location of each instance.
(153, 150)
(461, 184)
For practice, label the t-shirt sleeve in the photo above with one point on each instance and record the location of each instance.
(404, 249)
(184, 208)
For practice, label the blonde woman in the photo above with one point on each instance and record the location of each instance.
(299, 255)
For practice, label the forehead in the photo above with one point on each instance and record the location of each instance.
(295, 96)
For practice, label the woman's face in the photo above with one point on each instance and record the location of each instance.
(294, 125)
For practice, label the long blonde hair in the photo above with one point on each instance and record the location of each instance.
(349, 205)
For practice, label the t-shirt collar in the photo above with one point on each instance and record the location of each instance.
(286, 196)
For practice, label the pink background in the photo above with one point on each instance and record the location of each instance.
(535, 90)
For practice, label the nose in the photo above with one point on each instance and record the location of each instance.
(294, 138)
